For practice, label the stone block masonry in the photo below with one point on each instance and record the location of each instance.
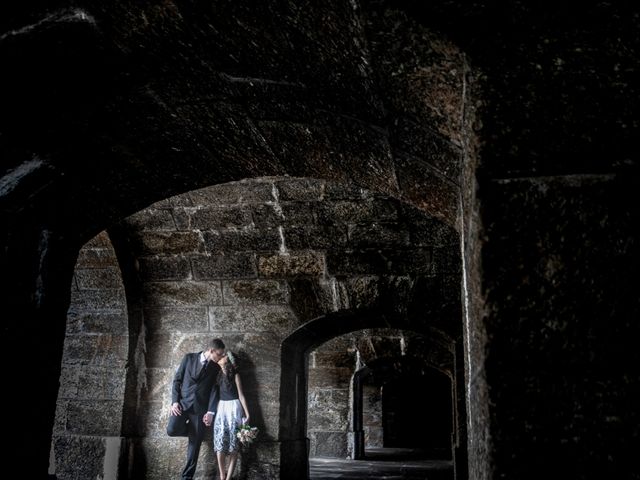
(92, 392)
(249, 262)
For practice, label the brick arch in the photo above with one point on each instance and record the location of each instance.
(148, 140)
(436, 347)
(189, 265)
(251, 261)
(293, 384)
(383, 369)
(331, 389)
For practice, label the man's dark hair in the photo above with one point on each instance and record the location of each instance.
(216, 344)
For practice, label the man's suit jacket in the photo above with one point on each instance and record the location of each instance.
(196, 390)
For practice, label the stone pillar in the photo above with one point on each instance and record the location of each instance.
(356, 444)
(297, 453)
(356, 435)
(459, 440)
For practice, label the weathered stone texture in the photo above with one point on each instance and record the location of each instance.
(328, 444)
(372, 416)
(68, 449)
(235, 193)
(280, 318)
(329, 377)
(289, 213)
(378, 235)
(331, 369)
(356, 211)
(413, 139)
(165, 456)
(96, 258)
(421, 75)
(93, 299)
(300, 189)
(153, 219)
(90, 400)
(100, 383)
(153, 416)
(60, 424)
(165, 268)
(92, 417)
(251, 239)
(111, 106)
(107, 350)
(415, 176)
(100, 241)
(315, 237)
(92, 322)
(155, 241)
(332, 357)
(165, 350)
(99, 278)
(214, 217)
(237, 265)
(176, 319)
(183, 294)
(250, 263)
(379, 261)
(68, 382)
(291, 265)
(157, 388)
(327, 410)
(246, 292)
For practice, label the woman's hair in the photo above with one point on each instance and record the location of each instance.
(229, 372)
(231, 357)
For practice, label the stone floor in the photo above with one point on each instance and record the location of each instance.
(386, 464)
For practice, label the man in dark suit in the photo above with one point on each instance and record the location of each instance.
(195, 394)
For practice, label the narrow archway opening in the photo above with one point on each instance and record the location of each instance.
(407, 410)
(88, 437)
(415, 425)
(335, 370)
(373, 394)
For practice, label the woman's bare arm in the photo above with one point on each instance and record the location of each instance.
(243, 400)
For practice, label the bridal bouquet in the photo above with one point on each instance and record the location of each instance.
(247, 434)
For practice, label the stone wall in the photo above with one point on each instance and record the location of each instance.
(111, 106)
(331, 370)
(252, 261)
(372, 417)
(167, 102)
(92, 383)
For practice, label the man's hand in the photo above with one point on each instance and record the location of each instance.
(207, 419)
(176, 409)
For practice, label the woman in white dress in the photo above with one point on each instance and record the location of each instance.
(231, 414)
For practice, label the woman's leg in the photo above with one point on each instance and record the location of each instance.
(234, 443)
(221, 461)
(233, 456)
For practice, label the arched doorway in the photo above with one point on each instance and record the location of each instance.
(294, 385)
(403, 403)
(420, 422)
